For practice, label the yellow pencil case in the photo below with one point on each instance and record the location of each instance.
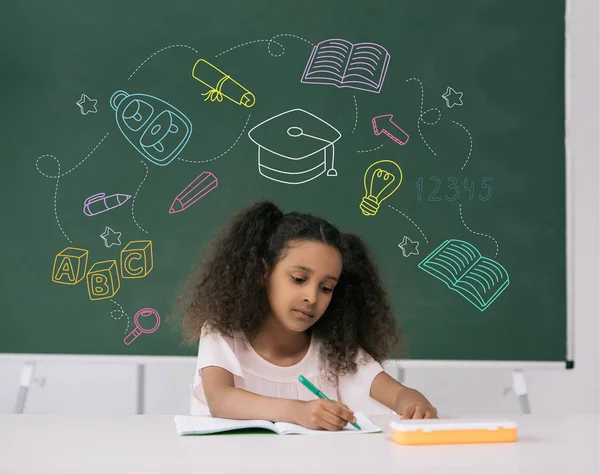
(454, 431)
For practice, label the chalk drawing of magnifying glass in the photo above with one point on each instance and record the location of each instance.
(138, 330)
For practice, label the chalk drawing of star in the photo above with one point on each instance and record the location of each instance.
(452, 97)
(87, 105)
(112, 236)
(409, 247)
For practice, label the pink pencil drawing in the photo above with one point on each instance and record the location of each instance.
(193, 192)
(395, 133)
(138, 330)
(99, 203)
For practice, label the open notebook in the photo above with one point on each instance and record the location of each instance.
(203, 425)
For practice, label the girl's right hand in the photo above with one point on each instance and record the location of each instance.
(325, 415)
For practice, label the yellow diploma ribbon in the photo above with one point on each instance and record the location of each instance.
(216, 93)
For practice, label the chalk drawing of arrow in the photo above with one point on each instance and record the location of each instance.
(396, 134)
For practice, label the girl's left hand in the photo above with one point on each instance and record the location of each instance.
(418, 411)
(415, 406)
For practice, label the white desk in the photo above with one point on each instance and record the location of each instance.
(149, 444)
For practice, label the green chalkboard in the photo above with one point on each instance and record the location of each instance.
(461, 102)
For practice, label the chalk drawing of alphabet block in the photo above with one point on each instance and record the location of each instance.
(70, 266)
(103, 280)
(137, 259)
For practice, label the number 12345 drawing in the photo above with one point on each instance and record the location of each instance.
(453, 187)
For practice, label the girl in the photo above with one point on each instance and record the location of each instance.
(282, 295)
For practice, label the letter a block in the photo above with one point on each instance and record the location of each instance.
(70, 266)
(103, 280)
(137, 259)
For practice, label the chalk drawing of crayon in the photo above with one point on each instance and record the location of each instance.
(196, 190)
(99, 203)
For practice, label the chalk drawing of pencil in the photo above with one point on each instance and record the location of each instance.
(99, 203)
(196, 190)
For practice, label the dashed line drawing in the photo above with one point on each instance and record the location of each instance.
(55, 197)
(413, 222)
(255, 41)
(470, 144)
(59, 175)
(270, 42)
(74, 167)
(135, 195)
(160, 51)
(422, 119)
(369, 151)
(422, 114)
(355, 113)
(477, 233)
(123, 313)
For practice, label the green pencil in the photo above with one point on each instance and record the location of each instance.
(304, 381)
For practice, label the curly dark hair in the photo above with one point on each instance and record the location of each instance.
(228, 295)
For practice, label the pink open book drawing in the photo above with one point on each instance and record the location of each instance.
(337, 62)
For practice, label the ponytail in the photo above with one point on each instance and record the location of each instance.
(252, 227)
(229, 280)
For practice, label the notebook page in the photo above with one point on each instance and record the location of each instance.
(207, 424)
(361, 419)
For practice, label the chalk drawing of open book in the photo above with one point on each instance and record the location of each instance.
(480, 280)
(337, 62)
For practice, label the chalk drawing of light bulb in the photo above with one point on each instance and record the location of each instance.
(381, 180)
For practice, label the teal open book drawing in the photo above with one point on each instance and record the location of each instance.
(480, 280)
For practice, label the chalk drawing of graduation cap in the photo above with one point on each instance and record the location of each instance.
(295, 147)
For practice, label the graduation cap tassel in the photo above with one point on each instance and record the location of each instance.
(331, 171)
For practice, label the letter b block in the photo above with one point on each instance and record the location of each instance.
(103, 280)
(137, 259)
(70, 266)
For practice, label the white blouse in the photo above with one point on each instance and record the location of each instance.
(255, 374)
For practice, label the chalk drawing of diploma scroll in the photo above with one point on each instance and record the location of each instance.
(221, 85)
(156, 129)
(99, 203)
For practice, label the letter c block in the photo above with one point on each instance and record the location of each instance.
(103, 280)
(137, 259)
(70, 266)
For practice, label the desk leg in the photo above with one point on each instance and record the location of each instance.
(520, 388)
(27, 373)
(140, 378)
(400, 375)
